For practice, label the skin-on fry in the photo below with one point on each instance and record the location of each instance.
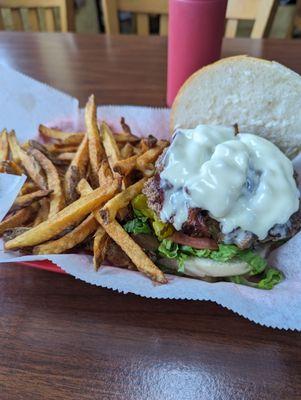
(121, 200)
(70, 240)
(43, 212)
(65, 156)
(127, 150)
(96, 151)
(14, 147)
(125, 126)
(72, 140)
(57, 199)
(100, 246)
(17, 219)
(27, 199)
(125, 167)
(105, 176)
(31, 166)
(4, 146)
(135, 253)
(57, 134)
(66, 217)
(150, 155)
(28, 187)
(10, 167)
(124, 137)
(34, 144)
(76, 170)
(56, 149)
(110, 145)
(129, 246)
(14, 232)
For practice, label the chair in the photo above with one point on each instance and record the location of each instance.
(260, 11)
(37, 15)
(142, 10)
(297, 20)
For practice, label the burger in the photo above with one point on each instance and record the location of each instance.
(225, 191)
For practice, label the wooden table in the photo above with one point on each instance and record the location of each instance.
(63, 339)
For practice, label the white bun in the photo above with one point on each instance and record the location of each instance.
(202, 267)
(206, 267)
(262, 97)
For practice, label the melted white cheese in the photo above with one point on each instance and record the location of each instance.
(244, 181)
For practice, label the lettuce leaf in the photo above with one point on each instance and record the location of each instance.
(168, 249)
(137, 225)
(271, 278)
(161, 229)
(257, 263)
(225, 252)
(145, 219)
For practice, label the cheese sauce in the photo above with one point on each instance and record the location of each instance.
(243, 181)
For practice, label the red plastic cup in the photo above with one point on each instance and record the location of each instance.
(195, 32)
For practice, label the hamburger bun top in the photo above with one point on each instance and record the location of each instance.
(262, 97)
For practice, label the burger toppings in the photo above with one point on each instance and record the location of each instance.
(234, 178)
(207, 209)
(197, 243)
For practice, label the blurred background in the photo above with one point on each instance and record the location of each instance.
(279, 18)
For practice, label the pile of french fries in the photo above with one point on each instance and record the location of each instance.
(78, 190)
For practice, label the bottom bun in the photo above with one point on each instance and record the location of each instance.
(206, 267)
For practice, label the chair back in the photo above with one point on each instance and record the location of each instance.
(141, 9)
(37, 15)
(262, 12)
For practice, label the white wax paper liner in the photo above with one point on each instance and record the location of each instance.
(278, 308)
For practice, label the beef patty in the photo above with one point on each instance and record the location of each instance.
(200, 224)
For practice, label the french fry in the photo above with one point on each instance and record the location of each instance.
(66, 217)
(34, 144)
(124, 138)
(16, 219)
(127, 150)
(76, 170)
(143, 145)
(31, 166)
(65, 156)
(57, 149)
(105, 175)
(121, 200)
(27, 199)
(58, 134)
(110, 145)
(130, 247)
(10, 167)
(125, 167)
(28, 187)
(4, 147)
(14, 232)
(150, 155)
(125, 126)
(96, 151)
(14, 147)
(72, 140)
(83, 187)
(70, 240)
(100, 244)
(135, 253)
(57, 199)
(43, 212)
(101, 239)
